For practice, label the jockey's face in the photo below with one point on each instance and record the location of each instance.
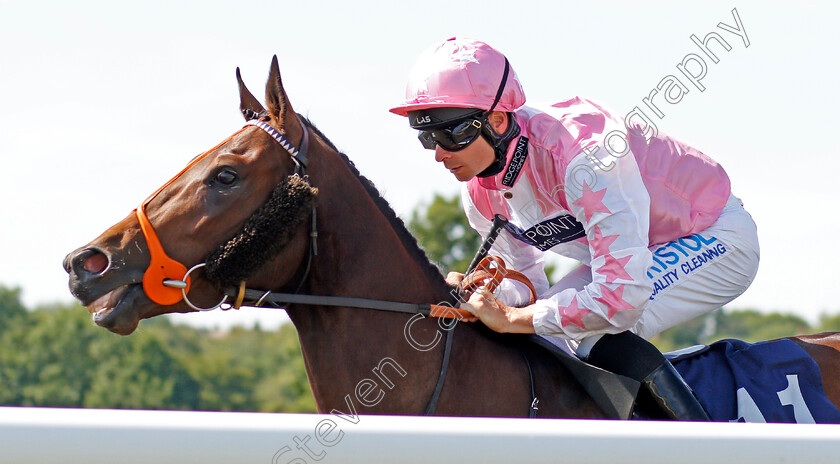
(476, 157)
(465, 164)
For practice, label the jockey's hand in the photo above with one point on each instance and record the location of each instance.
(497, 315)
(454, 278)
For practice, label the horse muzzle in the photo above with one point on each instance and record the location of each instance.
(108, 287)
(87, 268)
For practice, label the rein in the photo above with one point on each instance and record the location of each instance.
(489, 273)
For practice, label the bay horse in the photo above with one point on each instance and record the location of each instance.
(372, 362)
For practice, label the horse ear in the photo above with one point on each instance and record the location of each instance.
(248, 104)
(275, 95)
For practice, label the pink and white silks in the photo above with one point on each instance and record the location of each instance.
(659, 235)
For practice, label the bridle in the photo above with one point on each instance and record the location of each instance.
(167, 281)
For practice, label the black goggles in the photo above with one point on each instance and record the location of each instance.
(453, 138)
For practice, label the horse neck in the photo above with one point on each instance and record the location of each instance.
(360, 254)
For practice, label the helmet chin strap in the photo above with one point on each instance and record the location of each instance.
(500, 144)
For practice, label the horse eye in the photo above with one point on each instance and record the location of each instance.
(226, 177)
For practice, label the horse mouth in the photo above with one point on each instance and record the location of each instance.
(113, 310)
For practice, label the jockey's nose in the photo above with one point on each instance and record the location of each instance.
(441, 154)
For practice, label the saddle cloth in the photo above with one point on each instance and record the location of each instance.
(774, 381)
(735, 381)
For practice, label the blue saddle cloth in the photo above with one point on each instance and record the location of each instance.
(773, 381)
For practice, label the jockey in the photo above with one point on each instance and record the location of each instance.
(660, 237)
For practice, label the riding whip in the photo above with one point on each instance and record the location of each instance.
(498, 223)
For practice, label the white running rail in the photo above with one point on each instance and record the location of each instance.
(94, 436)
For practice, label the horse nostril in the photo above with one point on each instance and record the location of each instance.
(95, 263)
(86, 263)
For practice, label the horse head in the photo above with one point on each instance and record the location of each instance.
(238, 208)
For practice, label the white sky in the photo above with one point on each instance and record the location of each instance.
(101, 102)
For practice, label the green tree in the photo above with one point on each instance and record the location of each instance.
(249, 370)
(227, 384)
(829, 323)
(55, 356)
(11, 306)
(45, 360)
(744, 324)
(697, 331)
(752, 326)
(139, 373)
(284, 387)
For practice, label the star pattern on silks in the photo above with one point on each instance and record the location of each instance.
(592, 202)
(600, 243)
(613, 300)
(572, 314)
(613, 268)
(465, 55)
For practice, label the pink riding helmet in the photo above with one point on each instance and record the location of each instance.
(460, 72)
